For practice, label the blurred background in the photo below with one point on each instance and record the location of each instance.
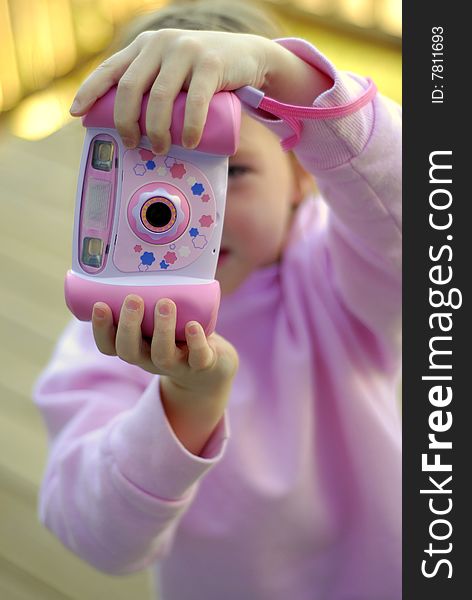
(47, 47)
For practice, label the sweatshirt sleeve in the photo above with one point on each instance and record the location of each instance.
(356, 160)
(117, 480)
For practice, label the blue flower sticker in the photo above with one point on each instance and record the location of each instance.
(150, 165)
(147, 258)
(193, 232)
(197, 189)
(163, 264)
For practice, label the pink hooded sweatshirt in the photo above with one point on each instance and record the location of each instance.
(297, 493)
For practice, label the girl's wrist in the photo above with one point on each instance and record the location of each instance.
(192, 415)
(290, 79)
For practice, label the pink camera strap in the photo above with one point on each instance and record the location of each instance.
(292, 114)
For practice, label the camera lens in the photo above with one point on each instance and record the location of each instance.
(158, 214)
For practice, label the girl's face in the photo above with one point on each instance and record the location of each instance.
(264, 187)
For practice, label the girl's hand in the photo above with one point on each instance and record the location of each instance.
(165, 62)
(201, 366)
(201, 62)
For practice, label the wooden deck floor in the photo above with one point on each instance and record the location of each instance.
(37, 194)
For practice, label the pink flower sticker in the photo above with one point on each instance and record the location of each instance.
(206, 221)
(145, 154)
(170, 257)
(177, 170)
(137, 248)
(205, 198)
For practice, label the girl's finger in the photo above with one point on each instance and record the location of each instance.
(102, 79)
(172, 75)
(103, 328)
(129, 338)
(203, 85)
(134, 83)
(200, 356)
(164, 353)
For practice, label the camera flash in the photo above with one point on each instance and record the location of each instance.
(92, 252)
(102, 158)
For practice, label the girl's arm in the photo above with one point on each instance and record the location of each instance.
(356, 160)
(118, 479)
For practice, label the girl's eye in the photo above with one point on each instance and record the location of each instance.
(237, 170)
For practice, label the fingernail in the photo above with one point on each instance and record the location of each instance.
(193, 330)
(132, 305)
(159, 149)
(164, 308)
(190, 143)
(99, 312)
(129, 143)
(75, 107)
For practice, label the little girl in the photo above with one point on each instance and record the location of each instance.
(262, 462)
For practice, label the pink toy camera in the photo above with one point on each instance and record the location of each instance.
(148, 224)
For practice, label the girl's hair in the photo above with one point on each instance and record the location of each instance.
(235, 16)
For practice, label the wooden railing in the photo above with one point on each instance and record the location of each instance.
(43, 40)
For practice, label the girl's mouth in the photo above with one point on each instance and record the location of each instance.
(223, 256)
